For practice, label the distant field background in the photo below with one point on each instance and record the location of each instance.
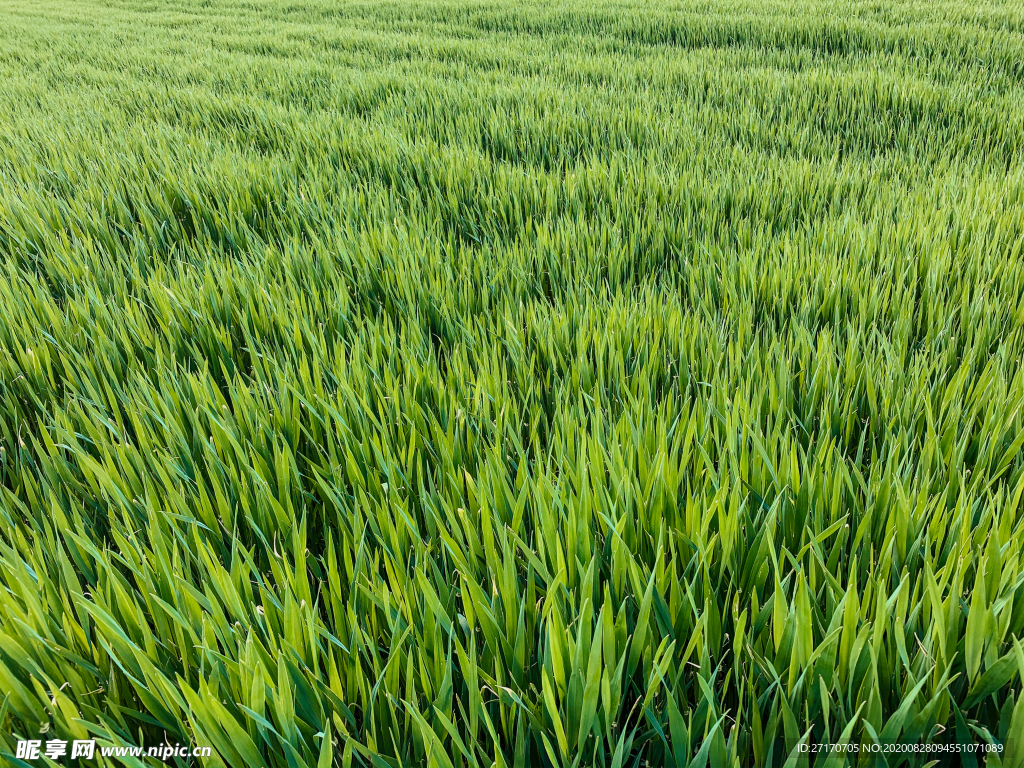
(471, 384)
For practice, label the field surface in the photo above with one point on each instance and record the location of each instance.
(502, 384)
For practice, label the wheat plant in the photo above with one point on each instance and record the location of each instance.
(455, 383)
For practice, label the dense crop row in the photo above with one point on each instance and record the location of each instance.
(434, 383)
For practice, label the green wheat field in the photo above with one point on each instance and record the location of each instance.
(453, 383)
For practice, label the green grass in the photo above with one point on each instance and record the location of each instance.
(462, 384)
